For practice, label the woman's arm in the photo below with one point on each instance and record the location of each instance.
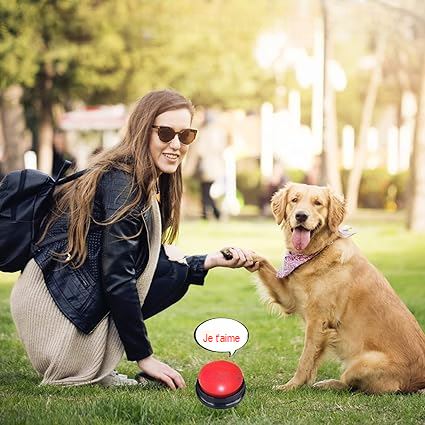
(119, 258)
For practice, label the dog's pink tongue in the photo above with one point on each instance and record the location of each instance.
(300, 238)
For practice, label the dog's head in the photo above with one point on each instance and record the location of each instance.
(308, 214)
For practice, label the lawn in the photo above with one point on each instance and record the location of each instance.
(269, 358)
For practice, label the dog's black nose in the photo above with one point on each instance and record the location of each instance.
(301, 216)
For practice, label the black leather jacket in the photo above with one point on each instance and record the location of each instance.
(106, 282)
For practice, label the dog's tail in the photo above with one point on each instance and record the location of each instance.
(419, 386)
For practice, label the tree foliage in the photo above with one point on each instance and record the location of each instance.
(204, 49)
(115, 51)
(18, 43)
(64, 51)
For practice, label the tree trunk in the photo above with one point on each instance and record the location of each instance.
(416, 212)
(16, 139)
(331, 143)
(45, 121)
(45, 142)
(330, 155)
(366, 119)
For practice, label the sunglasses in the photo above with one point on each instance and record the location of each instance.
(166, 134)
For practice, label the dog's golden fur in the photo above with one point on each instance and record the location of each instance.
(348, 307)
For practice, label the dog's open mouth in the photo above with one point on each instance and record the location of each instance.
(301, 237)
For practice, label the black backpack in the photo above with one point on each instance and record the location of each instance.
(25, 200)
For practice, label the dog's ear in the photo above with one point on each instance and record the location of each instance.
(336, 210)
(278, 203)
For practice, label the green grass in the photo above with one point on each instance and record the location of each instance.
(269, 358)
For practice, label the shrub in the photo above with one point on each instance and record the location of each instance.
(296, 175)
(373, 188)
(379, 189)
(401, 182)
(248, 180)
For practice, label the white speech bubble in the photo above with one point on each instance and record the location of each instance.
(221, 335)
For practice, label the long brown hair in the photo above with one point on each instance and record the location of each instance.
(131, 155)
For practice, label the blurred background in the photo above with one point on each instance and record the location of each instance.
(315, 91)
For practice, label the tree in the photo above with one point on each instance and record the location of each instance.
(366, 119)
(17, 66)
(410, 16)
(109, 51)
(16, 137)
(330, 155)
(203, 49)
(80, 53)
(416, 210)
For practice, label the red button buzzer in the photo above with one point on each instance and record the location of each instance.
(220, 384)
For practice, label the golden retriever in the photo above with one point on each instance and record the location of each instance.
(348, 307)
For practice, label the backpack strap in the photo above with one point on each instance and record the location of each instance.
(67, 179)
(66, 164)
(62, 180)
(59, 181)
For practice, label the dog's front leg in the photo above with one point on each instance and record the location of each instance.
(314, 345)
(277, 288)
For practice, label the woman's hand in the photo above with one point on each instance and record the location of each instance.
(240, 258)
(162, 372)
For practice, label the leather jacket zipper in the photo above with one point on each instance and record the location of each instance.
(84, 279)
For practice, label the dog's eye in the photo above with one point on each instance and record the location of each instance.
(294, 200)
(317, 202)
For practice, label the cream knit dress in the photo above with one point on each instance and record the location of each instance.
(59, 351)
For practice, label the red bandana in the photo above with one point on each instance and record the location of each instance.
(293, 261)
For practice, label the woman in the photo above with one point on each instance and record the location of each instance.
(100, 269)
